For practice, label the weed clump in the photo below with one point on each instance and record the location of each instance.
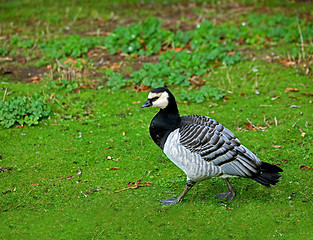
(23, 110)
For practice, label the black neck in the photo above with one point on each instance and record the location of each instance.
(171, 108)
(166, 121)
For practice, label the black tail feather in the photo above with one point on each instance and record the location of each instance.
(269, 174)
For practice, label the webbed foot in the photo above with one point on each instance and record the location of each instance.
(228, 195)
(169, 201)
(173, 200)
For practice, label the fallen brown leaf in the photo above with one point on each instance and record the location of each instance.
(305, 167)
(68, 177)
(276, 146)
(113, 168)
(308, 94)
(196, 80)
(86, 85)
(33, 79)
(115, 66)
(142, 88)
(294, 97)
(291, 90)
(284, 160)
(134, 185)
(287, 63)
(178, 49)
(250, 126)
(124, 55)
(232, 53)
(72, 60)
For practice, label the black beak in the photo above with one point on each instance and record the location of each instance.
(147, 104)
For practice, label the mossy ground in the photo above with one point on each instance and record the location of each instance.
(63, 178)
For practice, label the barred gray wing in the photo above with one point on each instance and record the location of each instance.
(213, 142)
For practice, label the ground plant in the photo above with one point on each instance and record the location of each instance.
(76, 158)
(22, 110)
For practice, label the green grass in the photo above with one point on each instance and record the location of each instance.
(34, 196)
(65, 178)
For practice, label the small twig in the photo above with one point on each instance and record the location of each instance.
(150, 171)
(301, 38)
(35, 44)
(76, 16)
(251, 123)
(295, 123)
(59, 64)
(229, 80)
(47, 29)
(275, 119)
(135, 185)
(6, 59)
(266, 122)
(5, 93)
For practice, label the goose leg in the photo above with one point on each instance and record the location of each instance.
(173, 200)
(228, 195)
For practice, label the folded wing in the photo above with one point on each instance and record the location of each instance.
(217, 144)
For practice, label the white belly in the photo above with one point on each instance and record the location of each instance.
(191, 163)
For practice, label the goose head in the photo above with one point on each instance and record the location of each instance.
(158, 97)
(162, 98)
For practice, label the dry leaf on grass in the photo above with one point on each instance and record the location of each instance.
(250, 126)
(291, 90)
(113, 168)
(34, 79)
(287, 63)
(115, 66)
(134, 185)
(73, 61)
(276, 146)
(307, 94)
(68, 177)
(232, 53)
(142, 88)
(305, 167)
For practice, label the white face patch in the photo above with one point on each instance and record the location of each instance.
(161, 101)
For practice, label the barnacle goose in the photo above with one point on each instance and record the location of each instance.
(203, 148)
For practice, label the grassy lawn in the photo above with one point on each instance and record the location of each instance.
(76, 158)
